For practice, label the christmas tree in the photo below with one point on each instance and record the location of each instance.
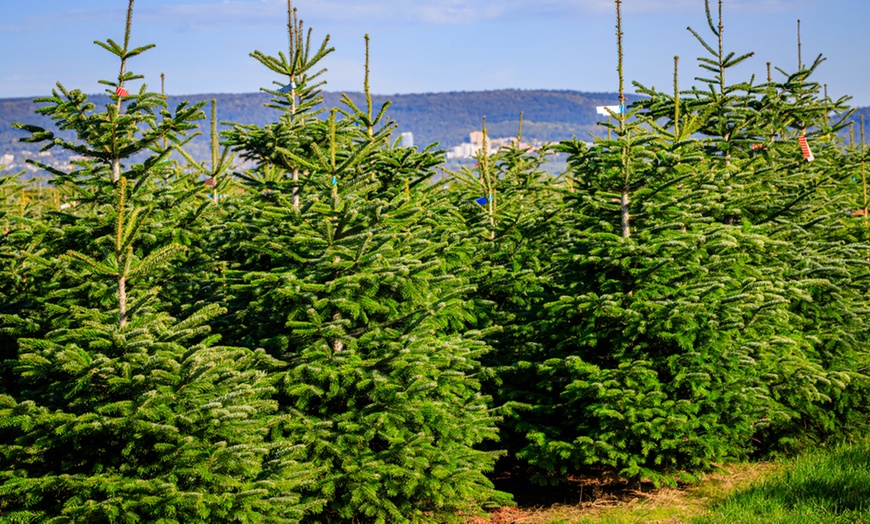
(119, 411)
(335, 273)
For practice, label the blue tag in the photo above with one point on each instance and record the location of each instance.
(334, 182)
(482, 200)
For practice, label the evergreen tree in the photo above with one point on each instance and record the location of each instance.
(20, 221)
(681, 330)
(505, 216)
(339, 277)
(797, 203)
(620, 364)
(120, 412)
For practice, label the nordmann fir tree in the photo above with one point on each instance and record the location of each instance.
(199, 277)
(604, 365)
(21, 209)
(741, 294)
(505, 210)
(120, 412)
(809, 206)
(795, 203)
(348, 289)
(711, 344)
(653, 387)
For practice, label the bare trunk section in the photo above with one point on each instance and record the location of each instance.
(119, 254)
(337, 345)
(122, 301)
(296, 189)
(626, 217)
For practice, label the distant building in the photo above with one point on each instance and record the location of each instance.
(463, 150)
(406, 139)
(475, 144)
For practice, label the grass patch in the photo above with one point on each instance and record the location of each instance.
(828, 486)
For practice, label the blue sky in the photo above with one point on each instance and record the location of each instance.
(420, 46)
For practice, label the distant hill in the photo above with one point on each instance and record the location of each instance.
(445, 118)
(448, 118)
(865, 112)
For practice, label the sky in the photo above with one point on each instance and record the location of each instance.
(422, 46)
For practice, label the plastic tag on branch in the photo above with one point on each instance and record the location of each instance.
(120, 91)
(608, 110)
(805, 149)
(210, 182)
(482, 200)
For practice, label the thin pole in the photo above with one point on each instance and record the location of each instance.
(800, 61)
(863, 172)
(676, 96)
(624, 201)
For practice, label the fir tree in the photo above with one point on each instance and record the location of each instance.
(21, 228)
(505, 215)
(642, 343)
(681, 336)
(119, 411)
(348, 289)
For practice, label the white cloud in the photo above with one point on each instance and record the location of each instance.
(452, 11)
(55, 17)
(216, 15)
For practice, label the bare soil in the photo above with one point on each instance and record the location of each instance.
(605, 498)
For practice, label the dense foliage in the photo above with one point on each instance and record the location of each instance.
(329, 336)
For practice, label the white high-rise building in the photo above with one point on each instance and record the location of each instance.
(406, 139)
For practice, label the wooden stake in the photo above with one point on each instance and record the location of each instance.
(624, 200)
(293, 36)
(863, 172)
(116, 162)
(369, 110)
(800, 61)
(676, 97)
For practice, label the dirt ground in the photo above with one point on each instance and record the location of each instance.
(600, 498)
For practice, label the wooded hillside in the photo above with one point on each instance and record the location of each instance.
(446, 118)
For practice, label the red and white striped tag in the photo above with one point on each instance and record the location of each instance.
(805, 149)
(121, 92)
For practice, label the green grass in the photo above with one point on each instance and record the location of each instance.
(831, 486)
